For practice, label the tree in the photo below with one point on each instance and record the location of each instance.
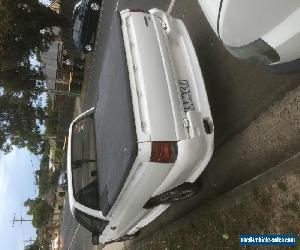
(54, 178)
(43, 181)
(23, 78)
(25, 30)
(40, 211)
(34, 246)
(20, 122)
(44, 237)
(51, 119)
(26, 27)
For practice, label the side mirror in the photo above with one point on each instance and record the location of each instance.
(95, 239)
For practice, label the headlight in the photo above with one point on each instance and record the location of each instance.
(257, 52)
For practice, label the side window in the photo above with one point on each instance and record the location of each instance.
(92, 224)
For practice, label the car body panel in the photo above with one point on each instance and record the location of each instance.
(211, 10)
(241, 22)
(285, 38)
(150, 78)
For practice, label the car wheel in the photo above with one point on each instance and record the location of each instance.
(95, 6)
(179, 193)
(88, 48)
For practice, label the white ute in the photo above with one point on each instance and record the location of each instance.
(172, 138)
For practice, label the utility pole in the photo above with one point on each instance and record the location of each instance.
(21, 220)
(30, 240)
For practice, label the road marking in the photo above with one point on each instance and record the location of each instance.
(172, 3)
(73, 237)
(117, 6)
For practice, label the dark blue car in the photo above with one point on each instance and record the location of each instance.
(85, 19)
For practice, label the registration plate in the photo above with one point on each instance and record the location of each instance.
(186, 95)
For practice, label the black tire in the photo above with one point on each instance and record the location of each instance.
(179, 193)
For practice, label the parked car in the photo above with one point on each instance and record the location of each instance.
(63, 181)
(151, 134)
(85, 19)
(263, 32)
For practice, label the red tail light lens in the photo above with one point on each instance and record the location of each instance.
(164, 152)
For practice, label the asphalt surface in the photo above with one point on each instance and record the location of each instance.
(238, 92)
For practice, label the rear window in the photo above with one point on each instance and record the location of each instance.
(83, 163)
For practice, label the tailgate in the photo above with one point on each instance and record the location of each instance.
(153, 108)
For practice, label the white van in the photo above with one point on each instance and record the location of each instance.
(149, 137)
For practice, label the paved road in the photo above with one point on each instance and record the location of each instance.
(238, 92)
(74, 236)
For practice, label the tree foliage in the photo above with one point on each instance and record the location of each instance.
(40, 211)
(23, 78)
(43, 181)
(25, 28)
(54, 178)
(51, 119)
(20, 121)
(34, 246)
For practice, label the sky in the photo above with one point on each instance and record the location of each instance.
(45, 2)
(16, 186)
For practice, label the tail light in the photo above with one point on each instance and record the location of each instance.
(164, 152)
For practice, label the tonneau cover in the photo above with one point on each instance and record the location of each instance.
(116, 139)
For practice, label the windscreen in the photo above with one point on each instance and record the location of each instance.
(83, 163)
